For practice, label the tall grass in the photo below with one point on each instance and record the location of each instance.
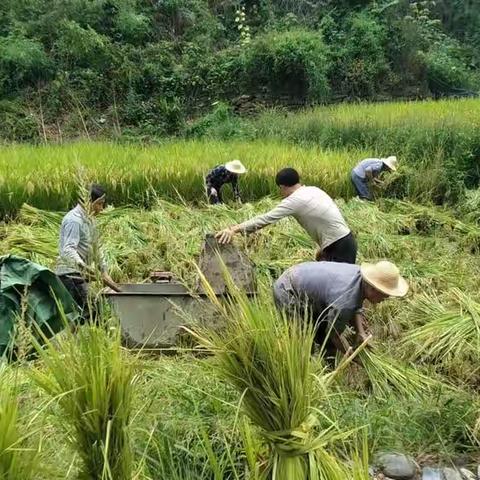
(19, 454)
(92, 380)
(409, 128)
(437, 143)
(448, 332)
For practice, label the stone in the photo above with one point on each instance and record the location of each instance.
(396, 466)
(451, 474)
(216, 260)
(467, 474)
(429, 473)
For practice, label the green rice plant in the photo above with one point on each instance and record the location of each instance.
(267, 359)
(46, 176)
(19, 455)
(93, 382)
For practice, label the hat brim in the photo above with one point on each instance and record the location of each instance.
(391, 166)
(401, 290)
(239, 171)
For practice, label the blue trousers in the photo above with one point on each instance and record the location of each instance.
(361, 186)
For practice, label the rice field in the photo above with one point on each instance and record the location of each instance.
(261, 407)
(184, 419)
(437, 143)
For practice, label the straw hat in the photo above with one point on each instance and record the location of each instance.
(235, 166)
(391, 162)
(385, 277)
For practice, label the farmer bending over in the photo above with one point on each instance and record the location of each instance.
(314, 210)
(368, 171)
(79, 250)
(219, 176)
(332, 295)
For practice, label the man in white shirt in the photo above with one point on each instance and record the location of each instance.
(314, 210)
(368, 171)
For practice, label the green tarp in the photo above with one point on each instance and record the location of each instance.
(32, 292)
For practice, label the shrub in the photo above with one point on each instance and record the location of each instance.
(82, 47)
(292, 63)
(362, 68)
(220, 123)
(447, 72)
(17, 123)
(132, 27)
(22, 62)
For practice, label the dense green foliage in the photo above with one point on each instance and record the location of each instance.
(144, 69)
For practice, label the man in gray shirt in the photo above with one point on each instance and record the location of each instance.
(368, 171)
(332, 294)
(80, 252)
(314, 210)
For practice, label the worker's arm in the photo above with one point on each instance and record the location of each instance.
(282, 210)
(359, 326)
(369, 173)
(108, 281)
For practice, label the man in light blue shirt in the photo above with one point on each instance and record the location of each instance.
(367, 171)
(80, 252)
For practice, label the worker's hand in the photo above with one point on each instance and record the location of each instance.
(225, 236)
(107, 280)
(362, 337)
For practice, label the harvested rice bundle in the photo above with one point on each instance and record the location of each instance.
(449, 333)
(387, 375)
(267, 359)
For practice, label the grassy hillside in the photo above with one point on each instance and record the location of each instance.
(134, 69)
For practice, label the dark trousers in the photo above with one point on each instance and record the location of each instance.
(78, 288)
(213, 199)
(343, 250)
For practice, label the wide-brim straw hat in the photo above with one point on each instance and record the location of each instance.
(235, 166)
(385, 277)
(391, 162)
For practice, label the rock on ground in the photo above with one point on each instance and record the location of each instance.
(451, 474)
(396, 466)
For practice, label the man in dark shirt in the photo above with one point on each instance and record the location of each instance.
(219, 176)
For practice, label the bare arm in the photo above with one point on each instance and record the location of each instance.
(284, 209)
(359, 326)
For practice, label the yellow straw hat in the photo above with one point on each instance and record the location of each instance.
(385, 277)
(235, 166)
(391, 162)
